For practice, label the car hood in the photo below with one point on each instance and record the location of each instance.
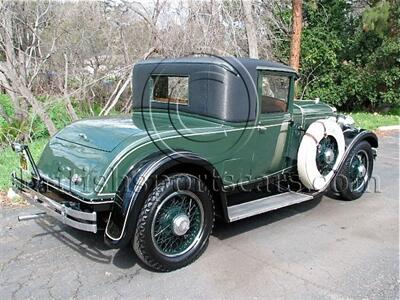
(103, 134)
(312, 108)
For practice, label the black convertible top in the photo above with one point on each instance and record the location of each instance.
(219, 87)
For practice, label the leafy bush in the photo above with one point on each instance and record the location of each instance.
(7, 129)
(33, 127)
(9, 161)
(7, 105)
(351, 60)
(59, 115)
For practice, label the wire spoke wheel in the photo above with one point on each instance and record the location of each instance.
(359, 176)
(356, 172)
(178, 223)
(175, 223)
(327, 153)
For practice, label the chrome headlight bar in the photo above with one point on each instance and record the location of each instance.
(18, 148)
(21, 149)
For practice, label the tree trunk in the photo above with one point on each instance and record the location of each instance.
(250, 29)
(70, 108)
(121, 90)
(110, 104)
(38, 108)
(14, 70)
(110, 98)
(20, 105)
(296, 34)
(18, 85)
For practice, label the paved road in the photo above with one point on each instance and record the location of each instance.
(327, 249)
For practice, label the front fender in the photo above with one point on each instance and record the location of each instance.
(354, 135)
(135, 187)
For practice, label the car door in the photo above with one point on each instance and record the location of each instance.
(275, 96)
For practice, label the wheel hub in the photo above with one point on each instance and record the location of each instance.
(329, 156)
(361, 171)
(327, 152)
(180, 224)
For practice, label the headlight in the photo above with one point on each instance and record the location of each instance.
(345, 120)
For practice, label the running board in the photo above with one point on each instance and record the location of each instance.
(262, 205)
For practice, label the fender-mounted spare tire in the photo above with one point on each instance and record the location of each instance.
(320, 153)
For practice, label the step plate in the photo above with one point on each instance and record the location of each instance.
(262, 205)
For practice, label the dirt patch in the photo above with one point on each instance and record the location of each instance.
(7, 202)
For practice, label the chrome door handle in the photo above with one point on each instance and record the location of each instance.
(261, 129)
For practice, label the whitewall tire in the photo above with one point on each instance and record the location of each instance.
(320, 153)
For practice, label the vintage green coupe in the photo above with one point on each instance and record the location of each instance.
(209, 136)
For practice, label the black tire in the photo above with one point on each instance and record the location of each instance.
(156, 208)
(345, 184)
(332, 194)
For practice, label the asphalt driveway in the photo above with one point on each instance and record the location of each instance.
(326, 249)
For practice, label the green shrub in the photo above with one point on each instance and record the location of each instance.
(33, 125)
(7, 129)
(9, 161)
(6, 103)
(350, 59)
(58, 113)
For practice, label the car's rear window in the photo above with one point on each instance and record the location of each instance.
(170, 89)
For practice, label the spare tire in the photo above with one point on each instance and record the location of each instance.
(320, 153)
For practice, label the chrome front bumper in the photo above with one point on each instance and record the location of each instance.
(85, 221)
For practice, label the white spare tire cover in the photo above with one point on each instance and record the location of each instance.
(309, 174)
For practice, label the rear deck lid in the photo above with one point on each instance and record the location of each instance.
(103, 134)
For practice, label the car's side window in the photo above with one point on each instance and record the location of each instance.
(170, 89)
(274, 93)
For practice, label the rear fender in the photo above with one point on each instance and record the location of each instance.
(137, 184)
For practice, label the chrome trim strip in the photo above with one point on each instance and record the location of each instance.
(49, 181)
(276, 69)
(265, 204)
(302, 113)
(334, 109)
(80, 214)
(137, 189)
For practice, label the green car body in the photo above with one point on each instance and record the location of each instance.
(113, 145)
(229, 125)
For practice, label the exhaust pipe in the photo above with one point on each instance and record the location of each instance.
(31, 217)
